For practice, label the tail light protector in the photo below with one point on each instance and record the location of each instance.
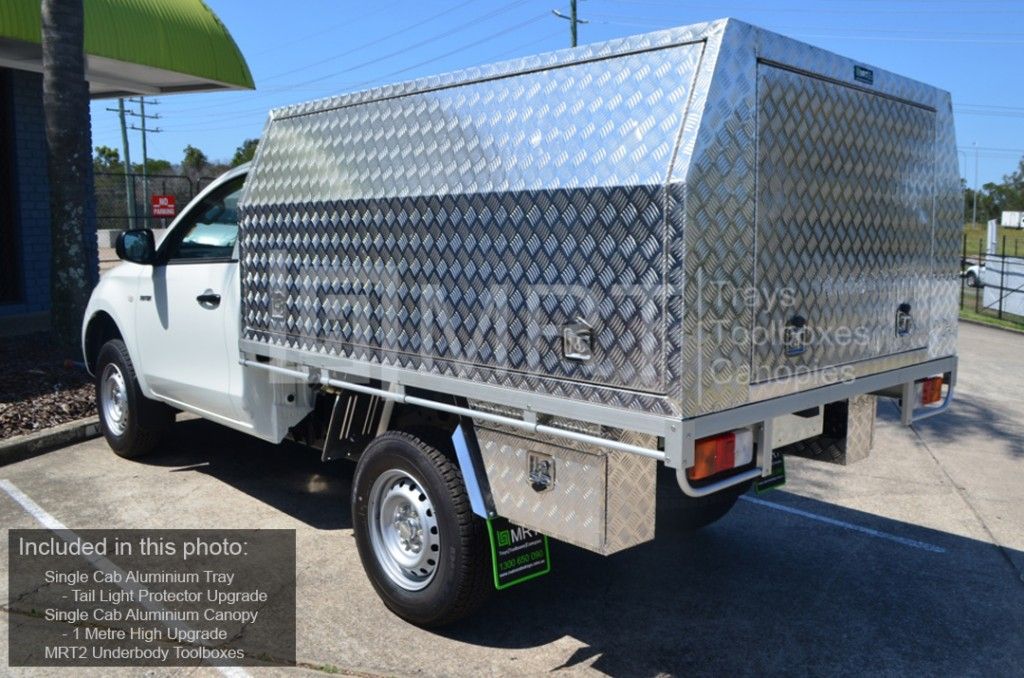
(722, 452)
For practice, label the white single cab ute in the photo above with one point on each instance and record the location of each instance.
(509, 293)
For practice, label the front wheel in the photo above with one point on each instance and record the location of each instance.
(420, 544)
(131, 423)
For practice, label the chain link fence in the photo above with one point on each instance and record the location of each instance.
(116, 211)
(992, 283)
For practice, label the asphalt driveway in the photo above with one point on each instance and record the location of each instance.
(909, 562)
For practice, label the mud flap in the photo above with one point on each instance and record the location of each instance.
(849, 433)
(517, 553)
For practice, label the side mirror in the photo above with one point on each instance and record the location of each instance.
(136, 246)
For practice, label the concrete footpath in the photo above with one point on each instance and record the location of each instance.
(911, 562)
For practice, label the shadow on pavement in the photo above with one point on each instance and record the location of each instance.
(971, 418)
(290, 477)
(760, 591)
(764, 591)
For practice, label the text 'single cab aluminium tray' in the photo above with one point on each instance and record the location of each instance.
(662, 227)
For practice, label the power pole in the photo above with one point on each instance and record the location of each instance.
(573, 20)
(141, 115)
(129, 187)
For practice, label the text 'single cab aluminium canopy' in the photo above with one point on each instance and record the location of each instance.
(135, 46)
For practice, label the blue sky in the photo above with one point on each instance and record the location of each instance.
(315, 48)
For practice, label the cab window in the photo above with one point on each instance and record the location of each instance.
(210, 228)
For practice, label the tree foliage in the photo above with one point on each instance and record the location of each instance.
(194, 162)
(245, 152)
(996, 198)
(107, 159)
(155, 166)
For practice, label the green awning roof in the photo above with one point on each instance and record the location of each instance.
(136, 46)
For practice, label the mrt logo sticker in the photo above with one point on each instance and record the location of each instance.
(518, 553)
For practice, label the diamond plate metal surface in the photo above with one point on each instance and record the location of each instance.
(602, 500)
(459, 229)
(455, 224)
(458, 283)
(945, 274)
(844, 198)
(715, 215)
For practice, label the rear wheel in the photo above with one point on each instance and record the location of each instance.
(972, 279)
(131, 423)
(420, 544)
(700, 512)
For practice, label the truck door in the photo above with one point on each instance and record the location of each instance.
(183, 332)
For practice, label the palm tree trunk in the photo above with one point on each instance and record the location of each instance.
(68, 138)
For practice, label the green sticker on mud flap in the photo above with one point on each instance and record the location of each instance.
(776, 479)
(517, 553)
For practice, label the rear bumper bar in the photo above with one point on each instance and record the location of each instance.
(759, 416)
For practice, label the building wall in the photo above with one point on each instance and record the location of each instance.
(32, 196)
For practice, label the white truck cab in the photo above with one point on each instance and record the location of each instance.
(174, 308)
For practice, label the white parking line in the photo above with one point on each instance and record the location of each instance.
(912, 543)
(99, 562)
(33, 509)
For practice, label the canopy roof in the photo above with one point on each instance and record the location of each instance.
(135, 46)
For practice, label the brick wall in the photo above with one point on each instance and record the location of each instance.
(32, 197)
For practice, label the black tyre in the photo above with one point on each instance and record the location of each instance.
(131, 423)
(700, 512)
(422, 547)
(972, 279)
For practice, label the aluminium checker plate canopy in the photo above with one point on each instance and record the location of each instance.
(638, 192)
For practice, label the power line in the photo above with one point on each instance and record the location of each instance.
(421, 43)
(912, 31)
(991, 110)
(992, 148)
(375, 41)
(1009, 108)
(482, 40)
(345, 24)
(992, 114)
(440, 36)
(824, 10)
(227, 115)
(902, 35)
(535, 19)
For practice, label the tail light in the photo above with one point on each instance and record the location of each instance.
(931, 390)
(721, 452)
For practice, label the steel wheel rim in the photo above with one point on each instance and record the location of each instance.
(114, 399)
(404, 534)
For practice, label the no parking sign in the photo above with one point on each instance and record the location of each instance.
(162, 205)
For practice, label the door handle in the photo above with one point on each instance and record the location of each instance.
(209, 298)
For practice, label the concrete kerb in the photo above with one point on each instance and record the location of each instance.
(981, 323)
(33, 444)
